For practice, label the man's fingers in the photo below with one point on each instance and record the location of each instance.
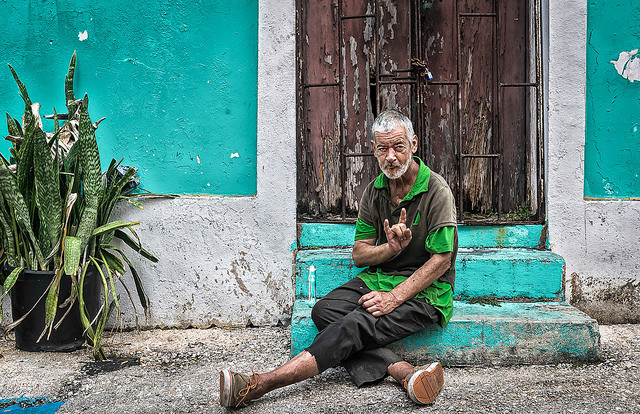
(397, 231)
(365, 298)
(407, 234)
(386, 225)
(403, 216)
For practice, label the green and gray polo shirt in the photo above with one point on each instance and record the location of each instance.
(431, 216)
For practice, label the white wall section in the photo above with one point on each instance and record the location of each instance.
(599, 239)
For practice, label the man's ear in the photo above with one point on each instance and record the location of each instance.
(373, 144)
(414, 144)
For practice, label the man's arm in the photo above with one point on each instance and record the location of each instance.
(382, 303)
(367, 253)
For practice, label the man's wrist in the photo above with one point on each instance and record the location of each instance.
(391, 251)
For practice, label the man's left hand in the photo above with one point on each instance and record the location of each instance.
(379, 303)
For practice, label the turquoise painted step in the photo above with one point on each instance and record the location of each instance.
(502, 273)
(318, 235)
(513, 333)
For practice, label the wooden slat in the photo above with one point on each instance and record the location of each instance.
(319, 42)
(513, 62)
(394, 51)
(438, 147)
(357, 35)
(477, 92)
(319, 186)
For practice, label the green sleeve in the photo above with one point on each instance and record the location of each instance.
(365, 231)
(440, 240)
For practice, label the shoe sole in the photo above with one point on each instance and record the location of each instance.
(424, 385)
(225, 388)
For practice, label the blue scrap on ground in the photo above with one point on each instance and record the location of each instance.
(24, 405)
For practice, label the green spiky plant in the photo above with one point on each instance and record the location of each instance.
(55, 209)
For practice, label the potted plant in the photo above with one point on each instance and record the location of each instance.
(55, 219)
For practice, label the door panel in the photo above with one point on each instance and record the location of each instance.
(477, 118)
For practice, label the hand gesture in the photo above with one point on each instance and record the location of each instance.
(399, 235)
(379, 303)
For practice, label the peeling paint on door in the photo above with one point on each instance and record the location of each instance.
(475, 117)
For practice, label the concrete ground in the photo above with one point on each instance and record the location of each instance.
(176, 371)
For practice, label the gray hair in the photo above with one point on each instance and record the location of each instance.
(391, 119)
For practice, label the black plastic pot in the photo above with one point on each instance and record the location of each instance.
(27, 291)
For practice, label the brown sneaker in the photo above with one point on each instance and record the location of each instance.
(234, 388)
(424, 383)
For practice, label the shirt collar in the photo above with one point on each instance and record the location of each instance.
(420, 185)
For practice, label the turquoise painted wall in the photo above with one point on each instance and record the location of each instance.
(176, 80)
(612, 145)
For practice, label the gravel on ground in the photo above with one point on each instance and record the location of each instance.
(177, 371)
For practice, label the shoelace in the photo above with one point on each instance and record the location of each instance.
(253, 383)
(405, 383)
(405, 380)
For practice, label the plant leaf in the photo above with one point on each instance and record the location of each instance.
(97, 338)
(72, 253)
(24, 159)
(14, 198)
(12, 129)
(23, 89)
(47, 192)
(51, 304)
(135, 245)
(135, 203)
(84, 315)
(56, 121)
(10, 281)
(113, 261)
(70, 97)
(89, 160)
(107, 262)
(116, 190)
(136, 279)
(8, 237)
(114, 225)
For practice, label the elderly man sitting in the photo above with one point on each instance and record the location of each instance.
(406, 234)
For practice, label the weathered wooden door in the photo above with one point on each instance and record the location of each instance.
(466, 71)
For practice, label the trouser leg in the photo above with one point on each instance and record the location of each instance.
(351, 336)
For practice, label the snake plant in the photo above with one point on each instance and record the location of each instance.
(56, 206)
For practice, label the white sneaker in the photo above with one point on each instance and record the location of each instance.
(424, 384)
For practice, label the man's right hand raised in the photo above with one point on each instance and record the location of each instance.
(399, 235)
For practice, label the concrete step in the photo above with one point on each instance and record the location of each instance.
(512, 333)
(500, 273)
(531, 236)
(532, 326)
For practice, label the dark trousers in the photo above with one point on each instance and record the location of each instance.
(351, 336)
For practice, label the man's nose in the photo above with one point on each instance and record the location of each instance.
(391, 154)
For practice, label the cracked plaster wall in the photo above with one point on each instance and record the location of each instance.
(228, 261)
(599, 239)
(174, 81)
(612, 150)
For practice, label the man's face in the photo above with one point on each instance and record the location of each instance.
(394, 152)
